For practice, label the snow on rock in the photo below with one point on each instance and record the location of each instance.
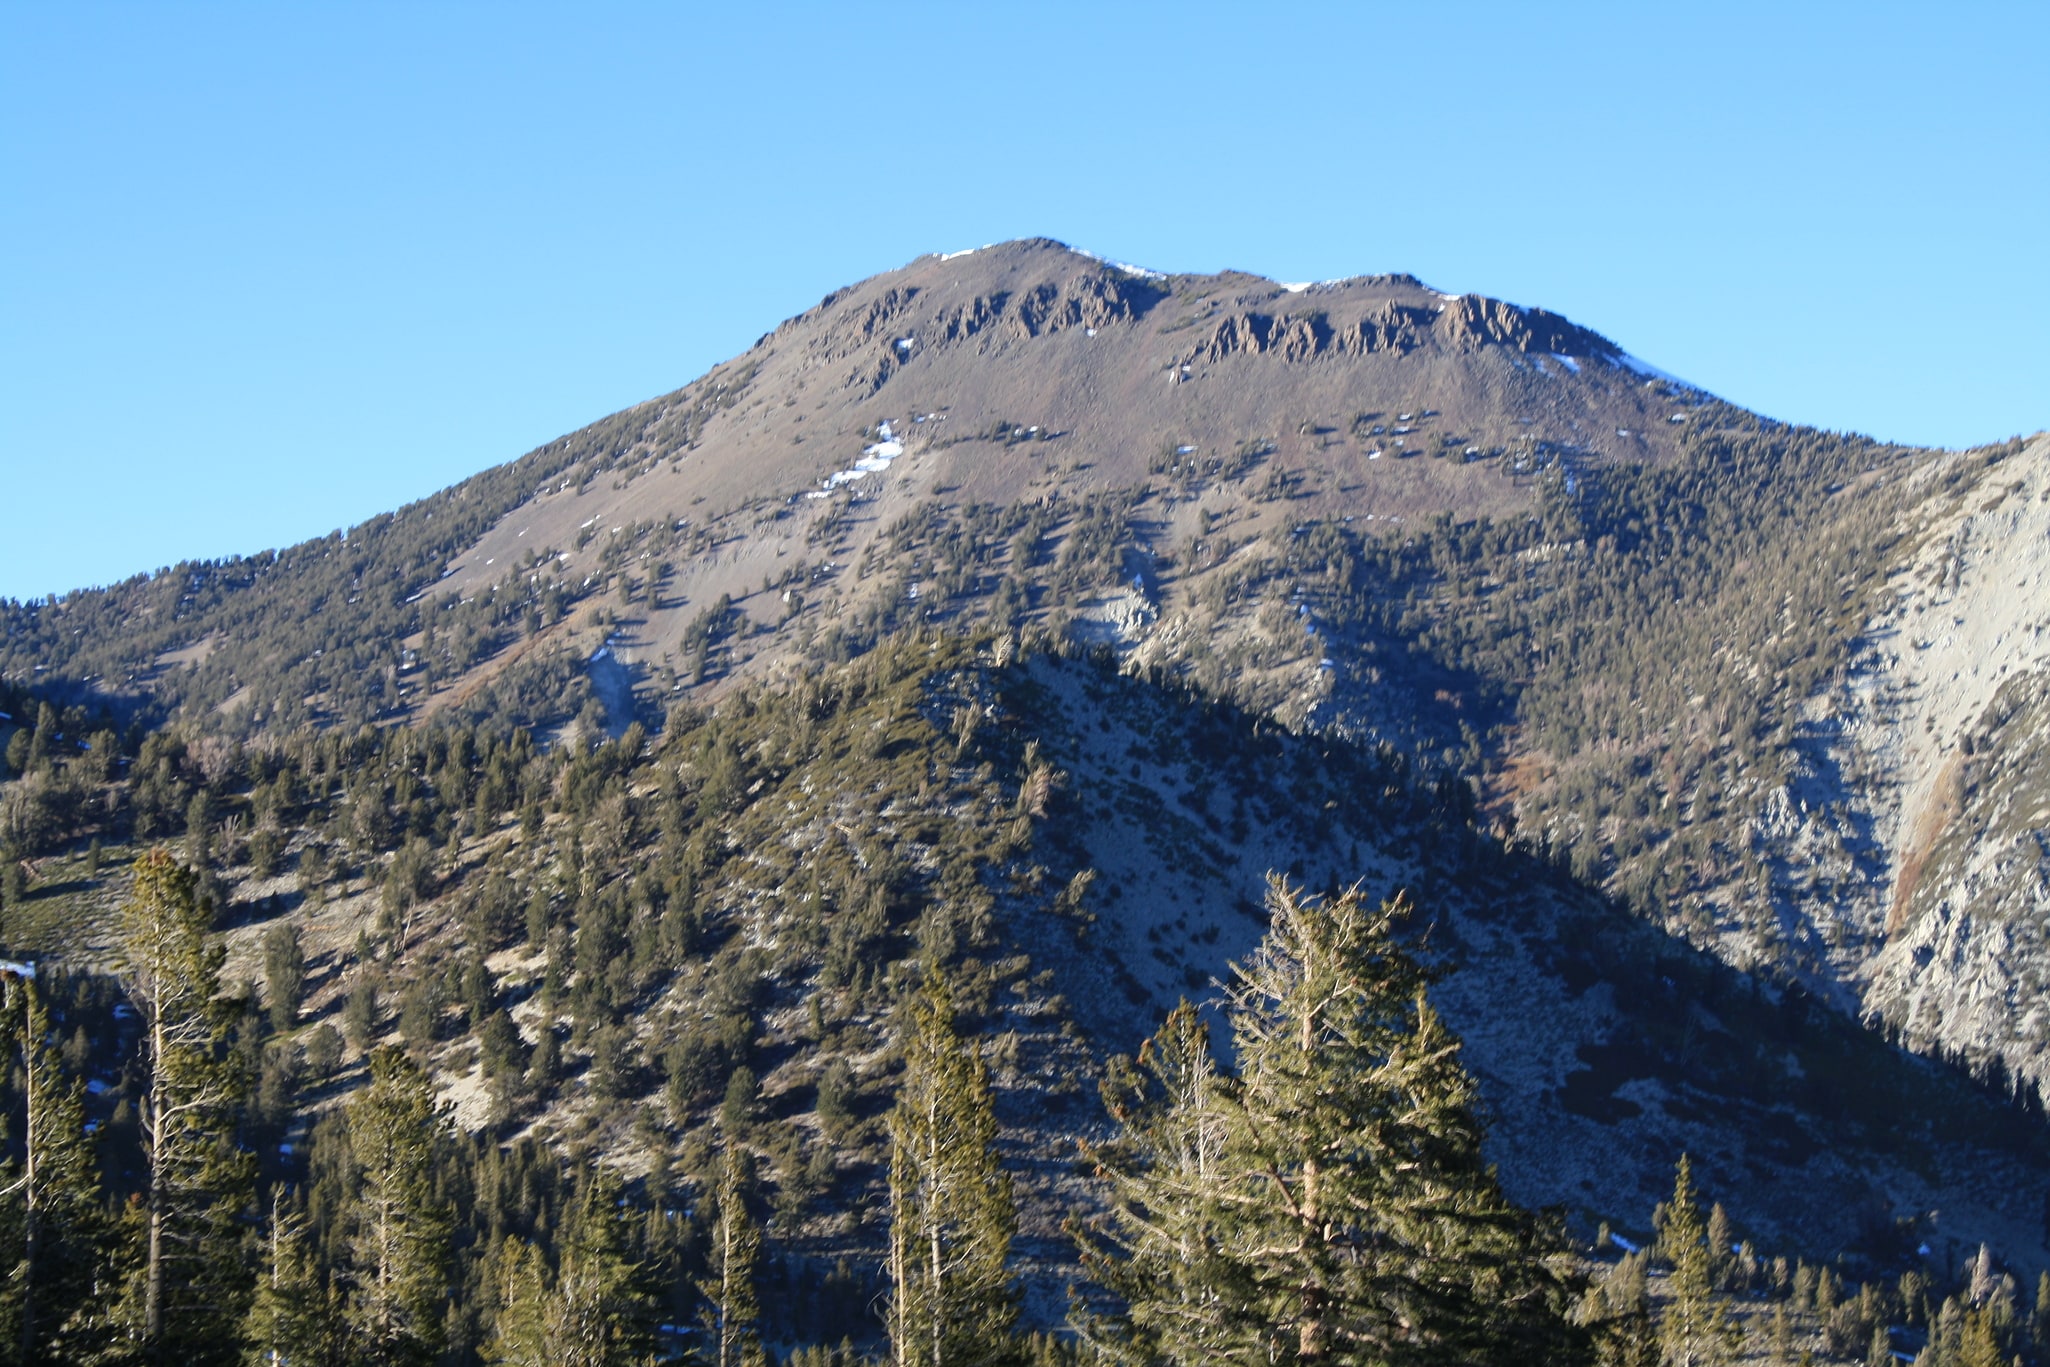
(874, 460)
(1127, 267)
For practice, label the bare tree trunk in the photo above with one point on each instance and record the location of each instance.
(159, 1195)
(32, 1220)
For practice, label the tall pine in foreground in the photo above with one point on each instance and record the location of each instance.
(733, 1310)
(1347, 1215)
(54, 1226)
(951, 1212)
(595, 1310)
(191, 1281)
(1161, 1252)
(1696, 1329)
(400, 1254)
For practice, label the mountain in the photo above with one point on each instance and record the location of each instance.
(1703, 738)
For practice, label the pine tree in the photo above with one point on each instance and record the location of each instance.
(603, 1296)
(951, 1211)
(295, 1318)
(1158, 1248)
(402, 1230)
(1696, 1329)
(1979, 1344)
(1356, 1218)
(733, 1313)
(198, 1180)
(284, 975)
(519, 1334)
(597, 1311)
(52, 1296)
(1618, 1312)
(1721, 1240)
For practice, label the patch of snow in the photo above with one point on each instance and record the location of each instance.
(96, 1087)
(1626, 361)
(874, 460)
(906, 343)
(1184, 450)
(1297, 286)
(1090, 331)
(1621, 1242)
(1127, 267)
(1568, 362)
(965, 251)
(1373, 455)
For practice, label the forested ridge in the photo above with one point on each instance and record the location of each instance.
(685, 972)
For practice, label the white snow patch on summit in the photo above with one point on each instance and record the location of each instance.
(1127, 267)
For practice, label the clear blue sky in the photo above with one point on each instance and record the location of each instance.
(273, 268)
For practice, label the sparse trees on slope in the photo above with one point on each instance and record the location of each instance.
(951, 1211)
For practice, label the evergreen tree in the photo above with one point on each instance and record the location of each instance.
(1355, 1220)
(56, 1233)
(191, 1276)
(1618, 1313)
(1979, 1343)
(295, 1318)
(402, 1230)
(284, 975)
(733, 1309)
(1696, 1329)
(1159, 1248)
(600, 1313)
(951, 1212)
